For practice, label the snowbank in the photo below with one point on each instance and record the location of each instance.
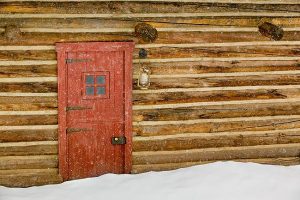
(215, 181)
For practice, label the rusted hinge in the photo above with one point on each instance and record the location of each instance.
(74, 130)
(77, 108)
(77, 60)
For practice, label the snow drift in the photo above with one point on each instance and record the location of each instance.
(215, 181)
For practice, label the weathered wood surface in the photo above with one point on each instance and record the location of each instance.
(219, 67)
(25, 134)
(148, 128)
(27, 55)
(28, 71)
(34, 87)
(29, 177)
(16, 120)
(172, 52)
(228, 81)
(177, 22)
(213, 96)
(28, 162)
(236, 51)
(210, 140)
(172, 166)
(27, 103)
(217, 111)
(210, 154)
(140, 7)
(164, 37)
(29, 148)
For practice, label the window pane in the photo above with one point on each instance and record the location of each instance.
(100, 79)
(100, 90)
(89, 80)
(89, 91)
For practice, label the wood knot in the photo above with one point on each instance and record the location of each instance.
(146, 32)
(12, 32)
(271, 31)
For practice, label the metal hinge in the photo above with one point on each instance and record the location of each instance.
(77, 60)
(77, 108)
(74, 130)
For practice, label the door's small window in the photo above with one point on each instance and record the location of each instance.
(89, 91)
(89, 79)
(100, 79)
(96, 84)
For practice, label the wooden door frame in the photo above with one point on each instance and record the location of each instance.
(62, 49)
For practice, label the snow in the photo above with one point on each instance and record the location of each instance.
(215, 181)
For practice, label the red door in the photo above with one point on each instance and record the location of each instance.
(94, 82)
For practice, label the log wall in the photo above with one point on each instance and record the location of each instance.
(219, 89)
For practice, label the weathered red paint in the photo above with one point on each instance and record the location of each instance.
(88, 121)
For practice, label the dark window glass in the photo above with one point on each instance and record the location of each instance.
(89, 91)
(100, 79)
(100, 90)
(89, 80)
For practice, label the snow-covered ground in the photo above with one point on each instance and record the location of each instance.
(215, 181)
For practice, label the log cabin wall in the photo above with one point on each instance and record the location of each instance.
(220, 90)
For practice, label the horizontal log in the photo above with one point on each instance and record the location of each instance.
(131, 30)
(217, 111)
(151, 15)
(27, 103)
(152, 128)
(172, 166)
(28, 162)
(163, 38)
(211, 140)
(27, 79)
(33, 87)
(28, 55)
(27, 62)
(220, 37)
(236, 51)
(228, 81)
(18, 94)
(25, 134)
(29, 177)
(17, 120)
(211, 154)
(186, 22)
(139, 7)
(203, 59)
(153, 45)
(288, 2)
(52, 38)
(190, 96)
(29, 148)
(219, 67)
(215, 103)
(28, 71)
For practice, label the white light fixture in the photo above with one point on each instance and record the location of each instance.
(144, 78)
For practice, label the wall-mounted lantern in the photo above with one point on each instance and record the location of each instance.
(144, 78)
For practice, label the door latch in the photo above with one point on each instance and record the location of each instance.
(118, 140)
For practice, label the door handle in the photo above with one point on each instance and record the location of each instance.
(78, 108)
(118, 140)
